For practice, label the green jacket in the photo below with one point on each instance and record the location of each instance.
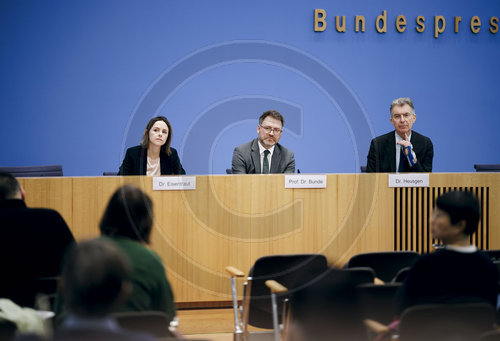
(150, 287)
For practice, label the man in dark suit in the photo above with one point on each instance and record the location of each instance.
(264, 154)
(401, 150)
(32, 244)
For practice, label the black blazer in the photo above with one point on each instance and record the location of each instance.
(382, 154)
(136, 158)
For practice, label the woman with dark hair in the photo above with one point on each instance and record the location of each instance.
(153, 156)
(458, 272)
(127, 222)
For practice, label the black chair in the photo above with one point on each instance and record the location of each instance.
(385, 264)
(446, 322)
(378, 302)
(494, 254)
(33, 171)
(46, 291)
(294, 272)
(401, 275)
(8, 330)
(495, 167)
(155, 323)
(38, 293)
(328, 309)
(361, 275)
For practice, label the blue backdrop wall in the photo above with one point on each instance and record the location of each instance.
(80, 79)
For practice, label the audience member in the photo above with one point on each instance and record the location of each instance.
(127, 222)
(264, 154)
(95, 282)
(33, 243)
(153, 156)
(459, 272)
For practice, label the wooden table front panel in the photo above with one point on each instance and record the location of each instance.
(234, 219)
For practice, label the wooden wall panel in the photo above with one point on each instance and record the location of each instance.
(233, 220)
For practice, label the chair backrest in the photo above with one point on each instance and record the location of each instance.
(327, 309)
(46, 291)
(378, 302)
(446, 322)
(385, 264)
(361, 275)
(293, 271)
(401, 275)
(155, 323)
(494, 254)
(497, 263)
(492, 167)
(33, 171)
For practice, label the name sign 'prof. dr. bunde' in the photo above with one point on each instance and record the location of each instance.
(305, 181)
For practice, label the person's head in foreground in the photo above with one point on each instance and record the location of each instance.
(455, 217)
(129, 214)
(95, 279)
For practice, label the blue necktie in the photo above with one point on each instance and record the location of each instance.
(265, 163)
(403, 162)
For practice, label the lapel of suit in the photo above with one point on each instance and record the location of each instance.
(143, 163)
(164, 163)
(276, 159)
(256, 156)
(390, 149)
(415, 140)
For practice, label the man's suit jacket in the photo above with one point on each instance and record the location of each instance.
(136, 158)
(382, 154)
(33, 243)
(246, 159)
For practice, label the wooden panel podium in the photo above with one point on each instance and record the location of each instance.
(234, 219)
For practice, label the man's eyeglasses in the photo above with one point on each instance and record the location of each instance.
(268, 130)
(399, 117)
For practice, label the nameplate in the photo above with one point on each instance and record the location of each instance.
(305, 181)
(409, 180)
(174, 183)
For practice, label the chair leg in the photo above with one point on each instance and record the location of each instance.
(247, 291)
(275, 288)
(275, 317)
(286, 319)
(237, 323)
(239, 333)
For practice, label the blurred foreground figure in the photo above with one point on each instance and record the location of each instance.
(95, 282)
(459, 272)
(33, 244)
(127, 222)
